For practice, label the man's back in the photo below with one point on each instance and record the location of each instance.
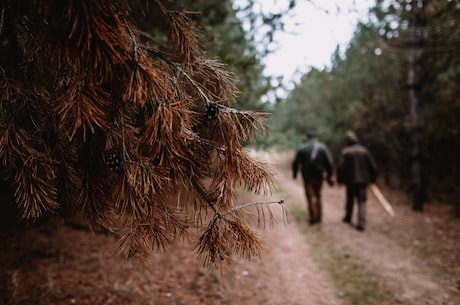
(314, 159)
(357, 165)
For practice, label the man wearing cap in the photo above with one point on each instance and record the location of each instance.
(316, 164)
(356, 169)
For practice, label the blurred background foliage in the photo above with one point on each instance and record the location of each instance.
(364, 89)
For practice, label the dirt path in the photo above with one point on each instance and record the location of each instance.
(410, 259)
(403, 277)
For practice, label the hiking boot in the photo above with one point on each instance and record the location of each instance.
(360, 228)
(347, 220)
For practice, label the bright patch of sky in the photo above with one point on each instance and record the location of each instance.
(313, 30)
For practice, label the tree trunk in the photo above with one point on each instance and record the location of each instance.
(417, 37)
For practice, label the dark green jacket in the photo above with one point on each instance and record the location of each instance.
(314, 165)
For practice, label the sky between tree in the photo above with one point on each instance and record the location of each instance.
(313, 30)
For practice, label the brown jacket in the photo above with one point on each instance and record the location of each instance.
(356, 166)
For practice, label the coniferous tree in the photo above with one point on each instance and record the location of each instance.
(226, 40)
(132, 132)
(367, 90)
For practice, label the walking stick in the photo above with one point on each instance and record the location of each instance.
(386, 205)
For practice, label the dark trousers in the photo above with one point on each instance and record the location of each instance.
(359, 192)
(313, 194)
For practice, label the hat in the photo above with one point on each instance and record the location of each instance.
(351, 137)
(311, 134)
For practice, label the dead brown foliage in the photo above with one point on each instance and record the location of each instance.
(123, 130)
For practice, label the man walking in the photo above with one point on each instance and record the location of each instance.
(316, 164)
(356, 169)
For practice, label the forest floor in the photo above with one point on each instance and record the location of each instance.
(411, 259)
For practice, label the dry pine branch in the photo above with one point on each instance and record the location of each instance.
(130, 134)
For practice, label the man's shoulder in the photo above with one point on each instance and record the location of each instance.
(354, 149)
(306, 146)
(322, 145)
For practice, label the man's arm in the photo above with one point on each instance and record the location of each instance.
(328, 165)
(295, 165)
